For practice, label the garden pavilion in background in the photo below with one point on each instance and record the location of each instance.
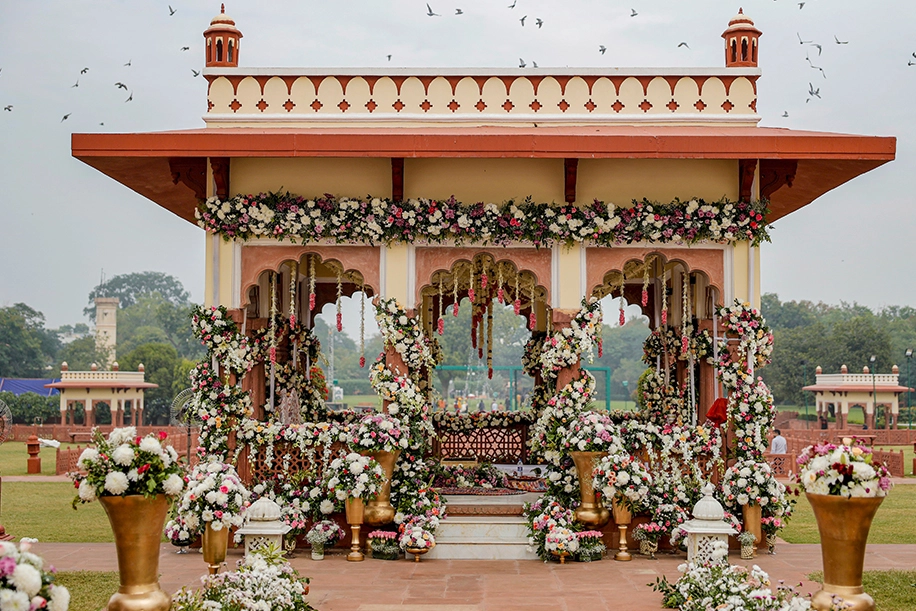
(681, 137)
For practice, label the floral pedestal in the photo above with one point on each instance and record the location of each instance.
(214, 547)
(843, 525)
(623, 517)
(591, 511)
(355, 510)
(417, 552)
(137, 524)
(379, 510)
(752, 517)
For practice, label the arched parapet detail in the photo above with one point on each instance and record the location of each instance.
(257, 259)
(430, 260)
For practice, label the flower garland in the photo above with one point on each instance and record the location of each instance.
(451, 422)
(377, 220)
(215, 494)
(621, 478)
(748, 482)
(566, 347)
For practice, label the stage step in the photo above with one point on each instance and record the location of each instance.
(489, 537)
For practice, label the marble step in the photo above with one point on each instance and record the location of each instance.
(482, 537)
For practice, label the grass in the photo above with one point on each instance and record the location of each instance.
(893, 522)
(42, 510)
(892, 590)
(14, 458)
(89, 590)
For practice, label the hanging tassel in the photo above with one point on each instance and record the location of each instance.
(600, 347)
(664, 300)
(471, 293)
(311, 283)
(500, 294)
(532, 317)
(440, 324)
(473, 326)
(293, 281)
(483, 279)
(339, 294)
(490, 339)
(362, 326)
(455, 296)
(517, 305)
(272, 332)
(685, 312)
(645, 285)
(623, 317)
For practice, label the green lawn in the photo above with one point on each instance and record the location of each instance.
(892, 590)
(89, 590)
(893, 522)
(42, 510)
(14, 458)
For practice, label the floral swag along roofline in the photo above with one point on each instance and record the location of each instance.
(382, 220)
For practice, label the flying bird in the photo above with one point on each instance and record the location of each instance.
(196, 72)
(539, 22)
(683, 44)
(8, 108)
(523, 20)
(77, 84)
(120, 85)
(430, 13)
(172, 11)
(602, 49)
(819, 48)
(389, 57)
(802, 42)
(102, 123)
(84, 70)
(816, 93)
(521, 63)
(128, 62)
(66, 116)
(185, 48)
(513, 4)
(785, 114)
(801, 5)
(130, 98)
(458, 11)
(840, 42)
(633, 12)
(911, 63)
(534, 64)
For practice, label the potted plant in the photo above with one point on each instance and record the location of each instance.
(589, 438)
(177, 532)
(135, 479)
(382, 437)
(648, 535)
(845, 488)
(747, 539)
(215, 501)
(591, 546)
(561, 543)
(771, 525)
(321, 535)
(750, 484)
(625, 483)
(351, 479)
(384, 544)
(25, 584)
(416, 538)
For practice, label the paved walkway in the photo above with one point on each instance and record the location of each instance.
(477, 585)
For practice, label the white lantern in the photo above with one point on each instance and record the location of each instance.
(263, 526)
(706, 528)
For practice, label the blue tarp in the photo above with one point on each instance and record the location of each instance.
(19, 386)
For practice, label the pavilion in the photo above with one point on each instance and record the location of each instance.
(836, 393)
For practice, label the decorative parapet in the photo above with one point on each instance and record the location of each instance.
(483, 97)
(857, 379)
(102, 376)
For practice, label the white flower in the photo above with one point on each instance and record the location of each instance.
(86, 491)
(116, 483)
(150, 444)
(123, 455)
(326, 506)
(173, 484)
(26, 578)
(60, 598)
(89, 455)
(122, 435)
(11, 600)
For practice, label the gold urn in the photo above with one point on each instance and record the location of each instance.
(214, 545)
(355, 515)
(379, 510)
(843, 525)
(137, 523)
(591, 511)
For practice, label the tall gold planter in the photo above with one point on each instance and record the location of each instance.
(137, 524)
(379, 510)
(843, 525)
(752, 516)
(355, 516)
(214, 545)
(591, 510)
(622, 517)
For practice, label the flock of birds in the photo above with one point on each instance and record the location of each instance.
(118, 85)
(813, 92)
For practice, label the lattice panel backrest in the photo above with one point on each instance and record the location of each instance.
(504, 445)
(288, 459)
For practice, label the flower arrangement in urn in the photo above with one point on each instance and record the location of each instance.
(216, 495)
(384, 544)
(379, 433)
(844, 470)
(592, 432)
(353, 475)
(749, 482)
(125, 464)
(591, 546)
(620, 477)
(321, 535)
(24, 584)
(561, 542)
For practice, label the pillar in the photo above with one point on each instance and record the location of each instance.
(88, 416)
(139, 413)
(562, 320)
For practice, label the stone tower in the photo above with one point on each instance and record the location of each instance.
(106, 326)
(222, 42)
(741, 42)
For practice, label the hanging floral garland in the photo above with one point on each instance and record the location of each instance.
(374, 221)
(566, 347)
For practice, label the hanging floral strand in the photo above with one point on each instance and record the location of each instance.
(272, 329)
(293, 281)
(517, 304)
(471, 293)
(685, 313)
(532, 317)
(483, 277)
(481, 310)
(455, 295)
(311, 283)
(362, 324)
(664, 300)
(339, 295)
(490, 339)
(440, 324)
(499, 285)
(623, 316)
(645, 283)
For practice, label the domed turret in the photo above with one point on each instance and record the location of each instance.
(222, 42)
(741, 42)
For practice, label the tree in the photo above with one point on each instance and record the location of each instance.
(28, 406)
(153, 319)
(27, 348)
(81, 353)
(129, 287)
(161, 362)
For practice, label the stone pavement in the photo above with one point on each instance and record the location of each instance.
(477, 585)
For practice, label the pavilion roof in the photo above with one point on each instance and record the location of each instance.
(144, 162)
(100, 384)
(896, 388)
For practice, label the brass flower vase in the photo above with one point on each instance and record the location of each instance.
(622, 517)
(214, 545)
(843, 525)
(752, 517)
(591, 511)
(137, 523)
(417, 552)
(379, 510)
(355, 515)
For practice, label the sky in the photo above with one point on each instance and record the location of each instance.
(63, 222)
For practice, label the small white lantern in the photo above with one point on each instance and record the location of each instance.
(706, 528)
(263, 526)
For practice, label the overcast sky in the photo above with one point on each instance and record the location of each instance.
(63, 222)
